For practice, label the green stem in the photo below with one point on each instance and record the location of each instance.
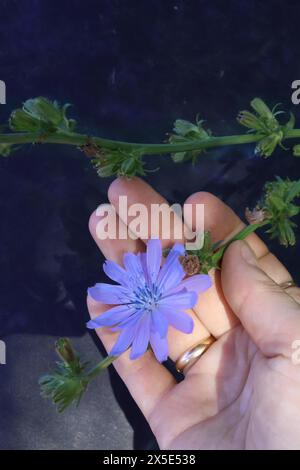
(69, 138)
(98, 368)
(81, 139)
(292, 134)
(72, 138)
(239, 236)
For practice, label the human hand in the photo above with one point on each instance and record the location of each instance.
(244, 392)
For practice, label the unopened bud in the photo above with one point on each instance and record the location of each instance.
(65, 350)
(261, 108)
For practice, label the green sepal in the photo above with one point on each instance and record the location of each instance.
(120, 163)
(261, 108)
(69, 381)
(63, 386)
(41, 115)
(264, 123)
(279, 204)
(206, 254)
(290, 124)
(186, 131)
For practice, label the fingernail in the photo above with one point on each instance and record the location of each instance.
(248, 255)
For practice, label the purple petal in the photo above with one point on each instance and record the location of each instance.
(115, 272)
(172, 272)
(111, 317)
(141, 337)
(180, 320)
(130, 321)
(176, 251)
(159, 346)
(123, 342)
(173, 276)
(109, 294)
(180, 300)
(159, 323)
(143, 261)
(154, 255)
(197, 283)
(134, 268)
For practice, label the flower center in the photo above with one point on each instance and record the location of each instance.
(146, 298)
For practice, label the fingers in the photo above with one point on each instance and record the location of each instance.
(137, 191)
(211, 384)
(220, 221)
(270, 316)
(223, 223)
(273, 268)
(146, 379)
(155, 217)
(114, 247)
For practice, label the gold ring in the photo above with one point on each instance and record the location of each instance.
(188, 358)
(287, 284)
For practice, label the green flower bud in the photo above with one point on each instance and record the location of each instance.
(119, 163)
(185, 128)
(261, 108)
(65, 350)
(186, 131)
(129, 167)
(267, 145)
(41, 115)
(182, 127)
(43, 109)
(279, 205)
(265, 124)
(21, 121)
(247, 119)
(68, 382)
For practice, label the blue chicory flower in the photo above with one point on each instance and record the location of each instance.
(148, 299)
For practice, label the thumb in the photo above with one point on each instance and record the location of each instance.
(269, 315)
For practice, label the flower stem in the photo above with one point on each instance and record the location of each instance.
(239, 236)
(70, 138)
(76, 139)
(98, 368)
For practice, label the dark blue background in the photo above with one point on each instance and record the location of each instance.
(130, 68)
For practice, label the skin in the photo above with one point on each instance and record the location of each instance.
(244, 392)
